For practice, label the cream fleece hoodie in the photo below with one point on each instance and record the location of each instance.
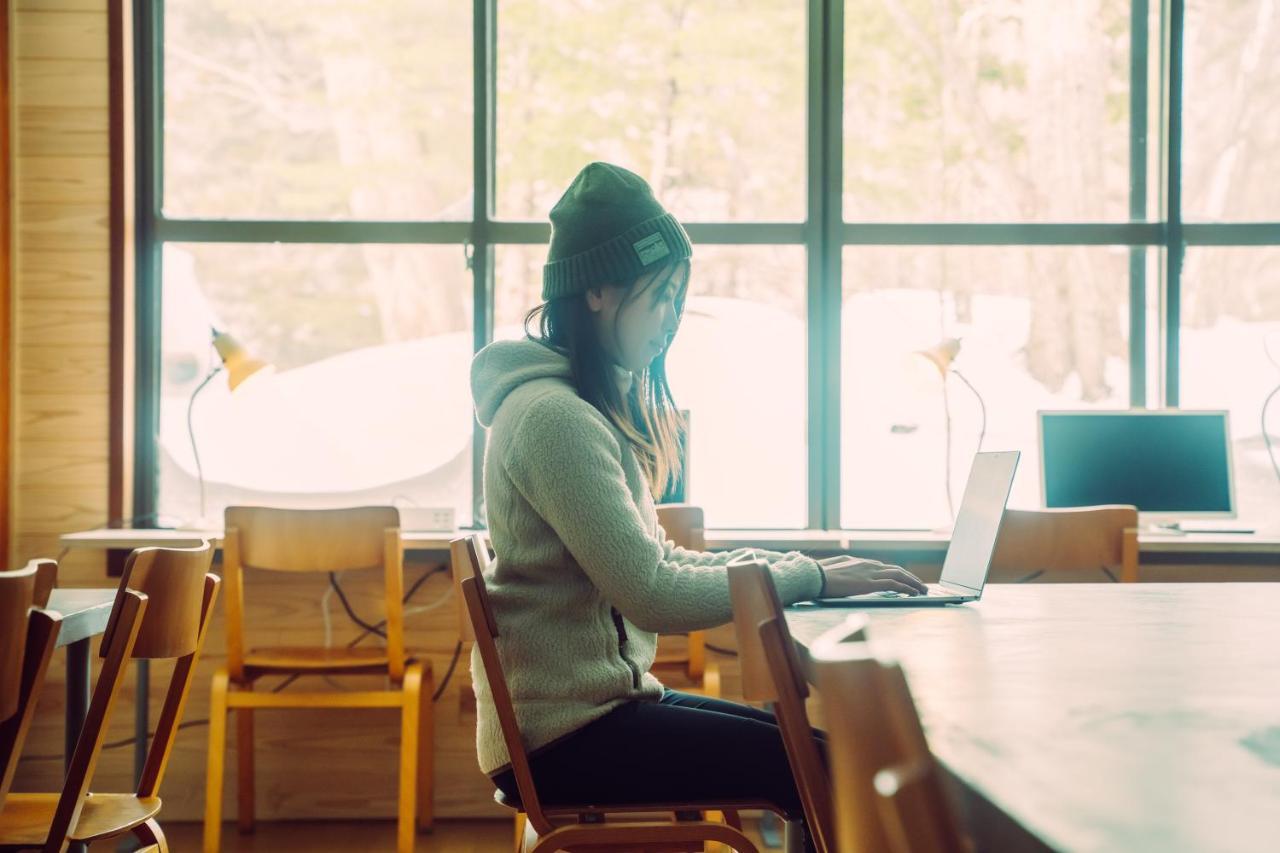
(584, 577)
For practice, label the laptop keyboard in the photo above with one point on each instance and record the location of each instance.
(932, 589)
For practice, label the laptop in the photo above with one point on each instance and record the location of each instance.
(973, 540)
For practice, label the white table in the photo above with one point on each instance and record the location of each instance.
(1114, 717)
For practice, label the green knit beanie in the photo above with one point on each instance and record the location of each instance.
(608, 228)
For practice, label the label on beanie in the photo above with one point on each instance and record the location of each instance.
(651, 248)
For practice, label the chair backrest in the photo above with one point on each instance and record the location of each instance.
(173, 580)
(46, 580)
(17, 593)
(1080, 544)
(472, 570)
(884, 776)
(163, 609)
(459, 560)
(684, 525)
(313, 540)
(27, 640)
(772, 672)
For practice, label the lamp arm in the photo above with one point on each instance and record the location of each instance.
(1266, 437)
(982, 433)
(191, 431)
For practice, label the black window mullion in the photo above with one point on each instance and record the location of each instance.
(480, 258)
(1139, 41)
(1175, 247)
(148, 63)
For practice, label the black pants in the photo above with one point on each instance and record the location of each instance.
(680, 748)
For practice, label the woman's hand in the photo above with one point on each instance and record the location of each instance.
(853, 576)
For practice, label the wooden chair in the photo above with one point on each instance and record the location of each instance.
(27, 639)
(289, 540)
(772, 673)
(684, 525)
(161, 611)
(888, 787)
(1081, 544)
(585, 827)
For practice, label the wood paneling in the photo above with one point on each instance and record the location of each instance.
(6, 290)
(60, 286)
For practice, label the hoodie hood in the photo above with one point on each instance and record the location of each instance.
(503, 366)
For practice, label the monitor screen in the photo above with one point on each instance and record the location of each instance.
(1162, 462)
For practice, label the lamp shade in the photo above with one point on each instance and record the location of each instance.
(239, 364)
(942, 354)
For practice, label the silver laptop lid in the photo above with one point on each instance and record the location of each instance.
(973, 539)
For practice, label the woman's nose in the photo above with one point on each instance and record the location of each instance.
(670, 321)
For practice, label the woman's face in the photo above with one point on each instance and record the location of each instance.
(636, 325)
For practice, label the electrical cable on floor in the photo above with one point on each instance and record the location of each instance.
(720, 650)
(368, 629)
(448, 673)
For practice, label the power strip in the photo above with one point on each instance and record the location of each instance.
(427, 518)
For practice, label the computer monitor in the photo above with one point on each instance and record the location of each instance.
(1171, 464)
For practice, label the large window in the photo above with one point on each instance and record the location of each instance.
(1078, 193)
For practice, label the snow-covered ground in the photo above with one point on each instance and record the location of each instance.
(390, 416)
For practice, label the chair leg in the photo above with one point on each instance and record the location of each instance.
(244, 769)
(410, 713)
(426, 754)
(711, 680)
(150, 832)
(217, 755)
(519, 839)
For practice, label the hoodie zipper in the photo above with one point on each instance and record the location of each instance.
(622, 643)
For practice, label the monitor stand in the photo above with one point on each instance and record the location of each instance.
(1183, 528)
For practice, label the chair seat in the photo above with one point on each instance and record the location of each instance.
(640, 808)
(26, 817)
(316, 659)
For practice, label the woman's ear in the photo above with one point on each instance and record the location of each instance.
(596, 299)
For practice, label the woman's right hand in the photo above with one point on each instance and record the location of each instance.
(854, 576)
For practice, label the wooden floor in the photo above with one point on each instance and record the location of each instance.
(449, 836)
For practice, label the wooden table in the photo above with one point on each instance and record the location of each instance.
(1264, 544)
(1099, 717)
(84, 616)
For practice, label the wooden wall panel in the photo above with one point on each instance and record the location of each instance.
(6, 290)
(60, 412)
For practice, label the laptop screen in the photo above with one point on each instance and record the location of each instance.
(973, 540)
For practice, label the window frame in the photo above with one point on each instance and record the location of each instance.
(824, 232)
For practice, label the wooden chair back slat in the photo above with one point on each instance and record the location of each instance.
(685, 525)
(313, 540)
(766, 650)
(163, 610)
(17, 594)
(472, 570)
(41, 636)
(755, 599)
(127, 616)
(179, 688)
(46, 580)
(1072, 544)
(459, 560)
(888, 789)
(173, 579)
(909, 797)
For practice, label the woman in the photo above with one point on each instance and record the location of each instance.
(582, 434)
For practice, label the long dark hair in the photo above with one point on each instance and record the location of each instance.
(646, 415)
